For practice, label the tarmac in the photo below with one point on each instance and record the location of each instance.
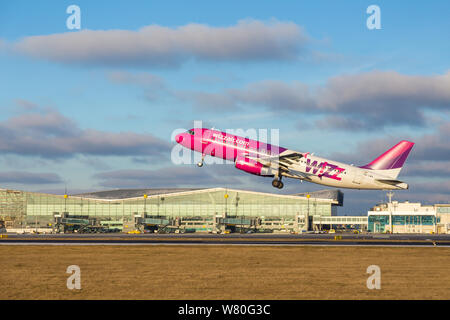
(335, 239)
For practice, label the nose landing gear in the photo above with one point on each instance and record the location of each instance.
(200, 164)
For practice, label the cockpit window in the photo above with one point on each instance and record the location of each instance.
(191, 132)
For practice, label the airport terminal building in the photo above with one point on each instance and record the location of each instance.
(208, 210)
(167, 210)
(409, 217)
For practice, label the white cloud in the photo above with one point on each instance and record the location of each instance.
(366, 100)
(154, 45)
(23, 177)
(49, 134)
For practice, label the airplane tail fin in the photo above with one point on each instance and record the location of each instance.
(391, 162)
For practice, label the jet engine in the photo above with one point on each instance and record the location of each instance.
(252, 167)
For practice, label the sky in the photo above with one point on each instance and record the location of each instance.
(96, 108)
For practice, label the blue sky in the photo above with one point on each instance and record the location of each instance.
(329, 84)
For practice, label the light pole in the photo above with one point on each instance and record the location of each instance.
(145, 203)
(226, 202)
(64, 215)
(307, 217)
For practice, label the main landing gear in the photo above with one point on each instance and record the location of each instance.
(277, 183)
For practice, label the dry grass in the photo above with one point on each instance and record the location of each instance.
(223, 272)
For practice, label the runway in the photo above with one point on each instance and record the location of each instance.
(409, 240)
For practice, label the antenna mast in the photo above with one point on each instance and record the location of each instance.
(390, 194)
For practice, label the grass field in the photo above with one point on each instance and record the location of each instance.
(223, 272)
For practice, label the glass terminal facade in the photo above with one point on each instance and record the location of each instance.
(404, 217)
(199, 209)
(380, 223)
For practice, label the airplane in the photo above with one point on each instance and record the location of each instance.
(269, 160)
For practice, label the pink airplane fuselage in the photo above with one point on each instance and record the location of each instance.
(223, 145)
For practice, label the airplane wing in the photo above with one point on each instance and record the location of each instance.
(297, 174)
(286, 158)
(284, 163)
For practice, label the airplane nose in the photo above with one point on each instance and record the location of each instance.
(179, 138)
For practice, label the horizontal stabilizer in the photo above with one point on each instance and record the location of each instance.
(397, 183)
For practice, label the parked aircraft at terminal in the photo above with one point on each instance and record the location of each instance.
(268, 160)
